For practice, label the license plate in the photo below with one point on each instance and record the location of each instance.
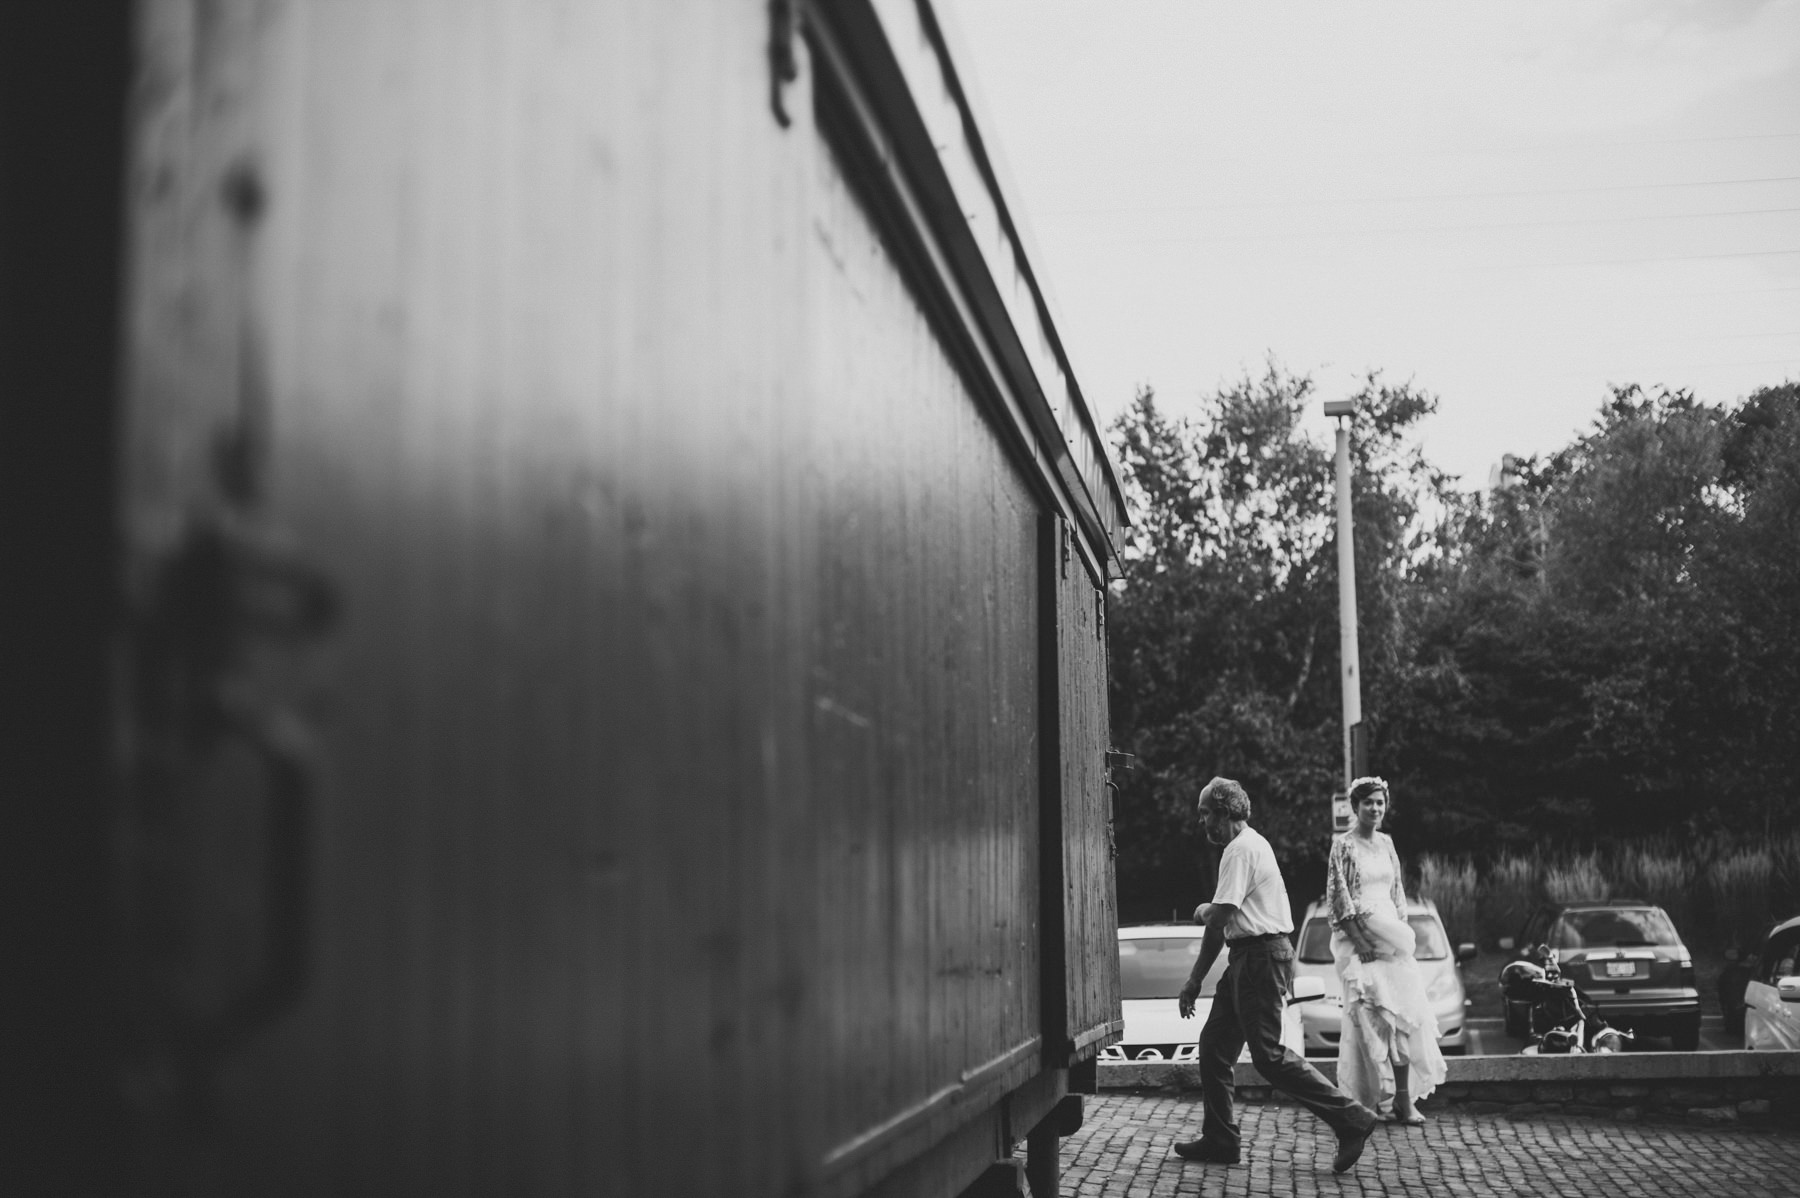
(1620, 969)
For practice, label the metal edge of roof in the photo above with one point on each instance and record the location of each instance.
(892, 78)
(1000, 178)
(997, 185)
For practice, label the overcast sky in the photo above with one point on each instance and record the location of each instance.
(1512, 205)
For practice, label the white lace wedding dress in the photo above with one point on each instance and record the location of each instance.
(1387, 1018)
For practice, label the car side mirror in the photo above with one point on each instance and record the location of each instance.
(1308, 988)
(1465, 953)
(1506, 944)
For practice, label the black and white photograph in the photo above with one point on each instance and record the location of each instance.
(900, 598)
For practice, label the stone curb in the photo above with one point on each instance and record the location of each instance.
(1684, 1067)
(1710, 1087)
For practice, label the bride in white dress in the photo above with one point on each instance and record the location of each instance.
(1388, 1057)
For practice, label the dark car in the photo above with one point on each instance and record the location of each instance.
(1627, 957)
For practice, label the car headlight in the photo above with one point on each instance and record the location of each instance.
(1441, 988)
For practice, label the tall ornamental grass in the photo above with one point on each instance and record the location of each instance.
(1576, 877)
(1738, 884)
(1784, 884)
(1508, 892)
(1451, 884)
(1719, 891)
(1658, 872)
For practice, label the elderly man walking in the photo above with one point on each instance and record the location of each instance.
(1249, 915)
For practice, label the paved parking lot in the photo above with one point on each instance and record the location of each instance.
(1124, 1151)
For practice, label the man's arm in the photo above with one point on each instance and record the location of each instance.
(1213, 915)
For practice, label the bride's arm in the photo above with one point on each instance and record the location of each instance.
(1358, 931)
(1399, 888)
(1341, 884)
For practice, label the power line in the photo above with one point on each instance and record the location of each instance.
(1597, 220)
(1738, 291)
(1721, 365)
(1630, 261)
(1050, 214)
(1409, 230)
(1676, 141)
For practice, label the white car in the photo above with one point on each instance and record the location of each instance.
(1154, 963)
(1323, 1022)
(1772, 995)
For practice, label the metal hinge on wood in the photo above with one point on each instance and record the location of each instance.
(1065, 544)
(1100, 613)
(784, 63)
(1115, 760)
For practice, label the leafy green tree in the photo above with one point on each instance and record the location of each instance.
(1610, 645)
(1750, 598)
(1224, 629)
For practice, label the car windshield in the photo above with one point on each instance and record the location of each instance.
(1430, 943)
(1428, 937)
(1779, 956)
(1159, 968)
(1315, 942)
(1613, 927)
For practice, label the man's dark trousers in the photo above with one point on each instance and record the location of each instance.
(1247, 1008)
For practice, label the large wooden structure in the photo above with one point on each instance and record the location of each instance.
(603, 560)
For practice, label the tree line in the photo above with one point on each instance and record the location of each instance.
(1607, 646)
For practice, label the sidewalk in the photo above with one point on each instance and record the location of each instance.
(1123, 1150)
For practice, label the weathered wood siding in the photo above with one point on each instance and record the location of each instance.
(923, 704)
(1089, 896)
(642, 623)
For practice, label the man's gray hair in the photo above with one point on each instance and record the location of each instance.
(1227, 796)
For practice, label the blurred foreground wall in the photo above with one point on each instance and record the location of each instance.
(577, 664)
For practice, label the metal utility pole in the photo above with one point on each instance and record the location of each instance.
(1344, 410)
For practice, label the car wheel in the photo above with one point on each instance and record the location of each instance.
(1686, 1034)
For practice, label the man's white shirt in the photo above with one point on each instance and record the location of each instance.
(1250, 880)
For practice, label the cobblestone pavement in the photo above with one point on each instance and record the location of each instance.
(1125, 1150)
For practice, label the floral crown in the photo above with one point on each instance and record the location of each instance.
(1369, 783)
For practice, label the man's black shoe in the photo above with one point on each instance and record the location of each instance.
(1200, 1150)
(1350, 1148)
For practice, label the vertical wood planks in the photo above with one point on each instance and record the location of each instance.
(1090, 893)
(925, 695)
(681, 732)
